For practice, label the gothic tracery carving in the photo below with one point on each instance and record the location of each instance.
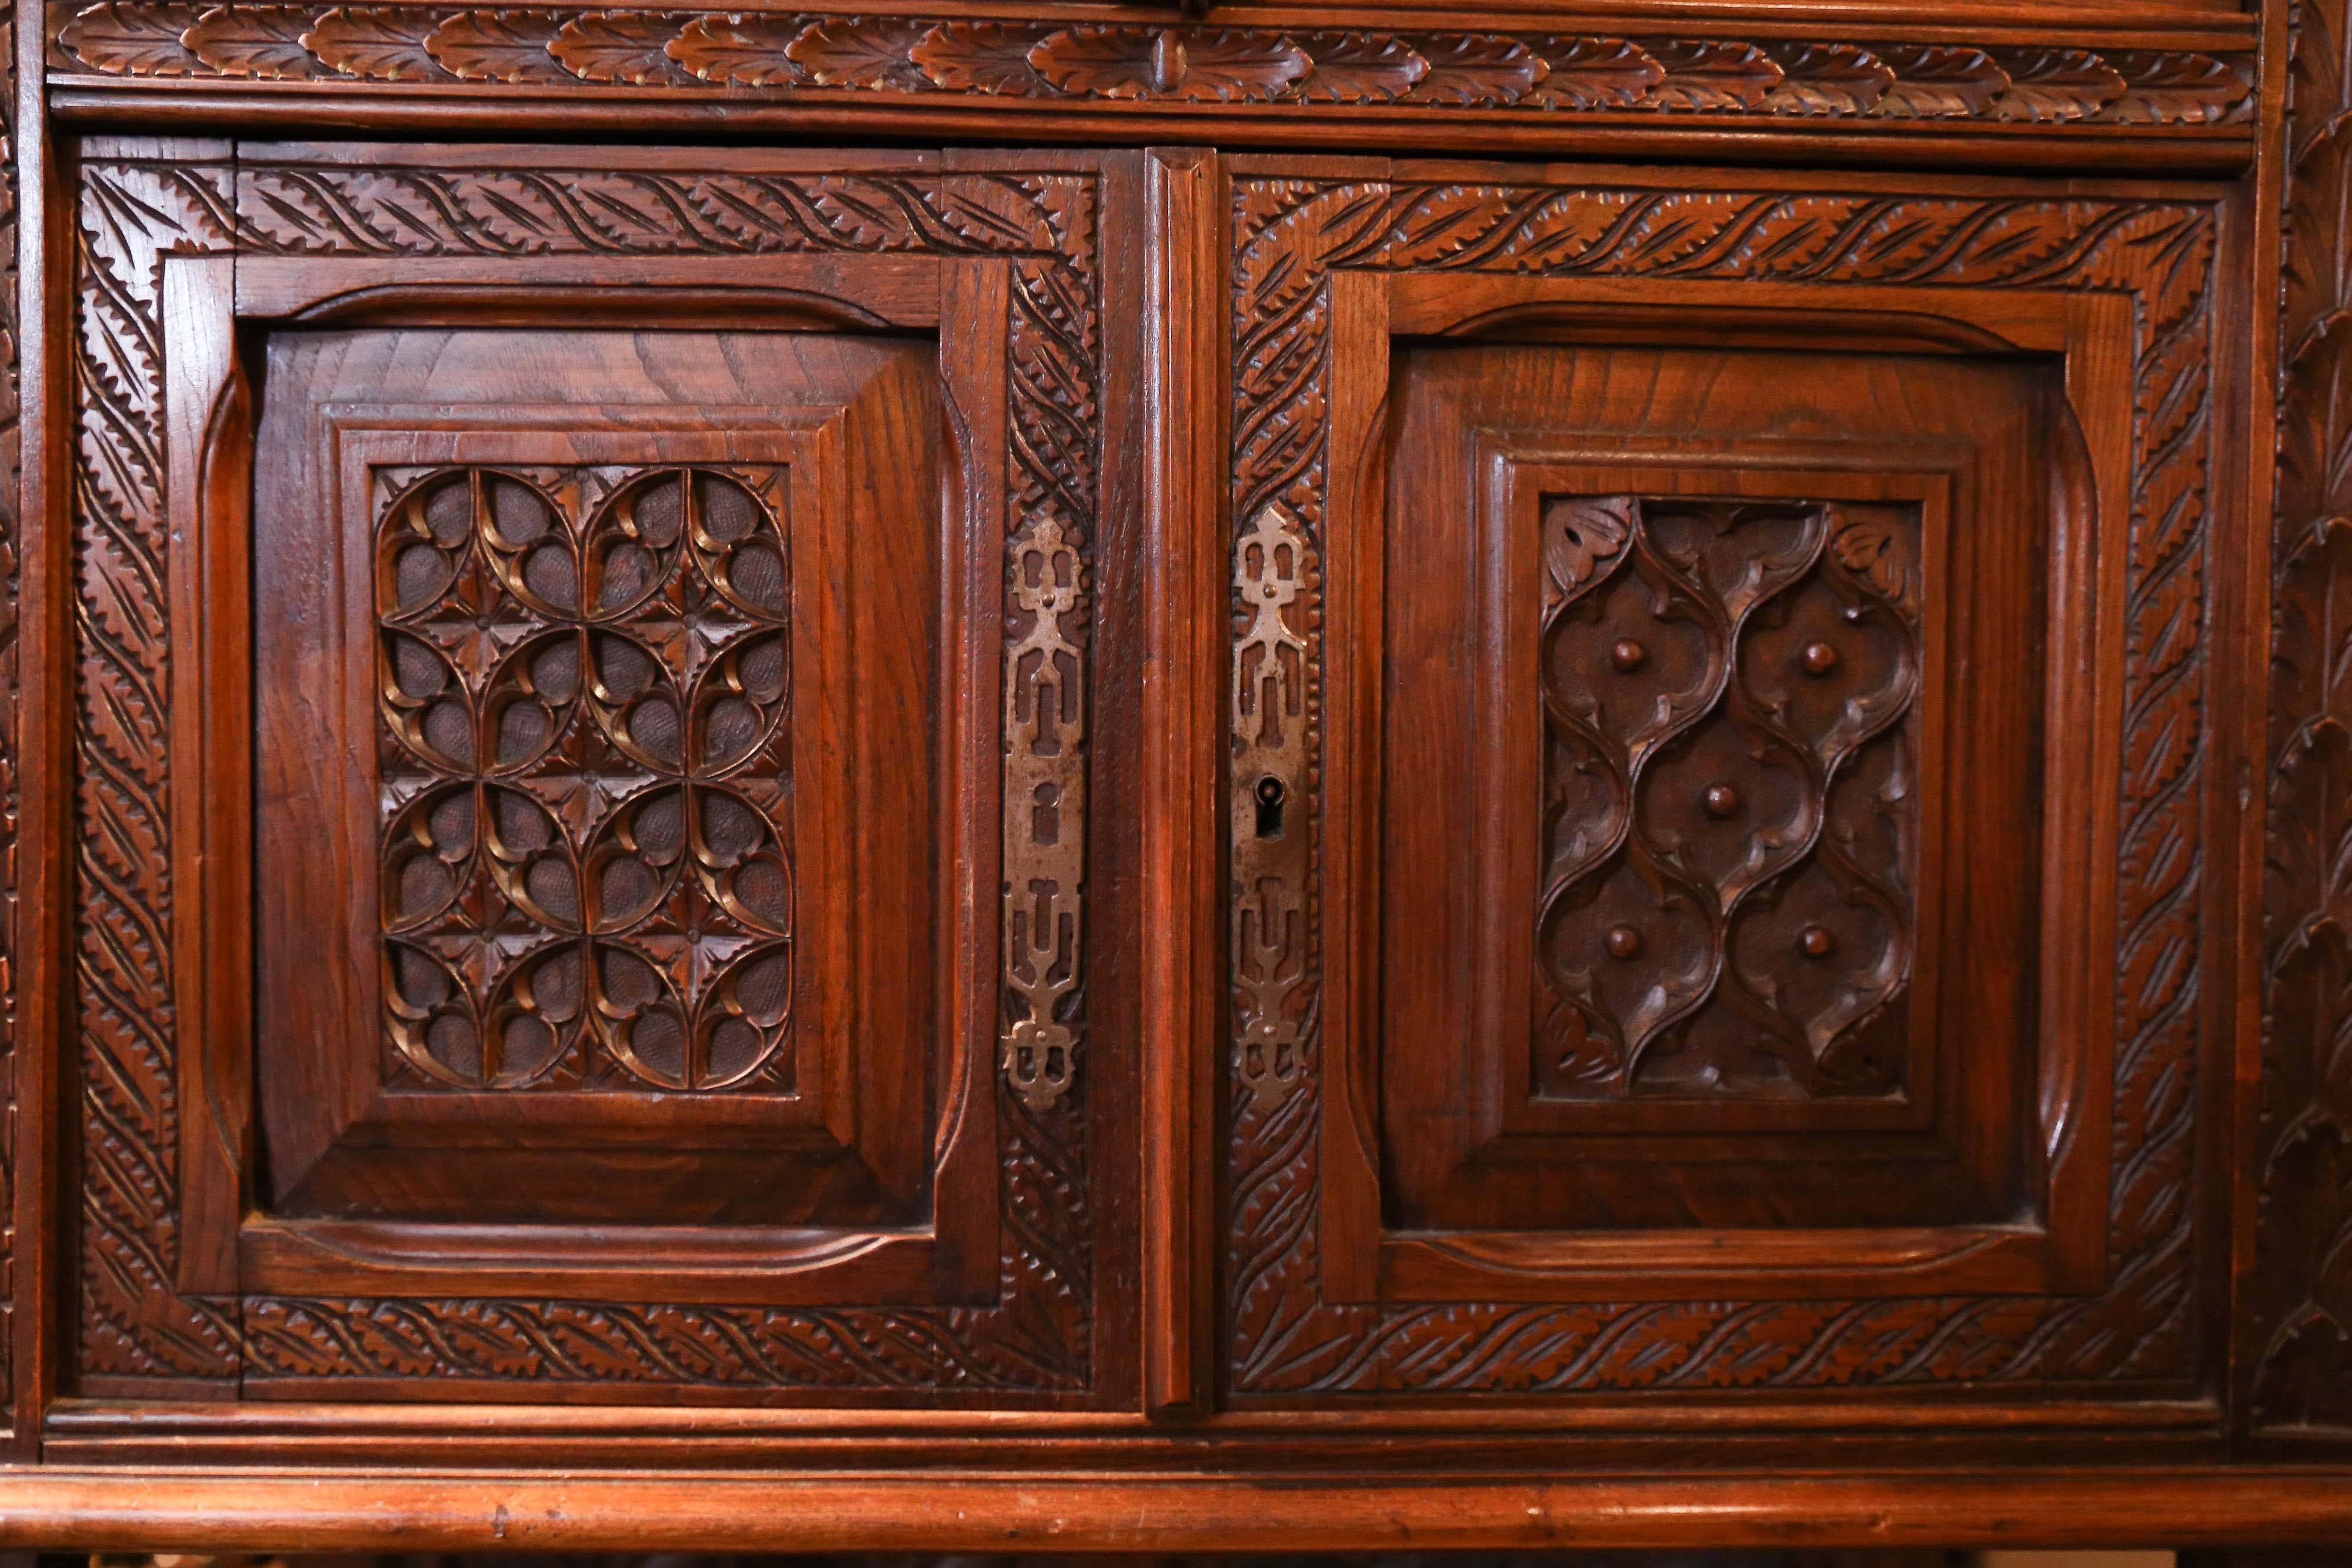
(586, 770)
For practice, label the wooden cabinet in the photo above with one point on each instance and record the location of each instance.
(619, 915)
(1677, 941)
(915, 781)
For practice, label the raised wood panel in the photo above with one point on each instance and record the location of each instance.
(1715, 914)
(607, 709)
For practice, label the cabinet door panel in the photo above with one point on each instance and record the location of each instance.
(603, 659)
(591, 955)
(1712, 775)
(1696, 905)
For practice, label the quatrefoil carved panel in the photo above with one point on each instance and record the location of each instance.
(586, 771)
(1730, 811)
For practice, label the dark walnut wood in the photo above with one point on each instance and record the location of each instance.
(663, 817)
(1305, 64)
(1705, 890)
(718, 834)
(2058, 1247)
(22, 1009)
(1797, 725)
(635, 1008)
(2294, 1360)
(589, 771)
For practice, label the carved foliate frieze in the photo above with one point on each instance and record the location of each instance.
(1289, 236)
(1728, 816)
(689, 716)
(2299, 1338)
(1325, 71)
(584, 753)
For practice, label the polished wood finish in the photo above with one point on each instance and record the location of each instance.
(634, 732)
(2169, 88)
(1313, 1313)
(418, 1157)
(1680, 914)
(1256, 843)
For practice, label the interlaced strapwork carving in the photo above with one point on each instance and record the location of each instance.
(586, 775)
(1724, 905)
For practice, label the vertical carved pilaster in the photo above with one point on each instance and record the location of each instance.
(11, 512)
(2300, 1304)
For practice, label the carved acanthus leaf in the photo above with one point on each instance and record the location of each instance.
(1829, 80)
(497, 45)
(2058, 85)
(380, 44)
(1713, 76)
(626, 47)
(1195, 64)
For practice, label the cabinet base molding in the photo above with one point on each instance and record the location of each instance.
(379, 1511)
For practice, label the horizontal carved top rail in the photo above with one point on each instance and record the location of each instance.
(2184, 90)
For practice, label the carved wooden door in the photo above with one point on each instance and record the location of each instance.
(588, 667)
(1716, 684)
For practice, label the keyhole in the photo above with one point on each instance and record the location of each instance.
(1269, 806)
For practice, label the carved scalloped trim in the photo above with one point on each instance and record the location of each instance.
(1178, 65)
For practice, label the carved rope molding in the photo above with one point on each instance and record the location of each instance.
(1289, 236)
(135, 1323)
(2300, 1299)
(782, 54)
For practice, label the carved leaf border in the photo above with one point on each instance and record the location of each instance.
(1289, 236)
(1037, 1338)
(2298, 1304)
(1334, 70)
